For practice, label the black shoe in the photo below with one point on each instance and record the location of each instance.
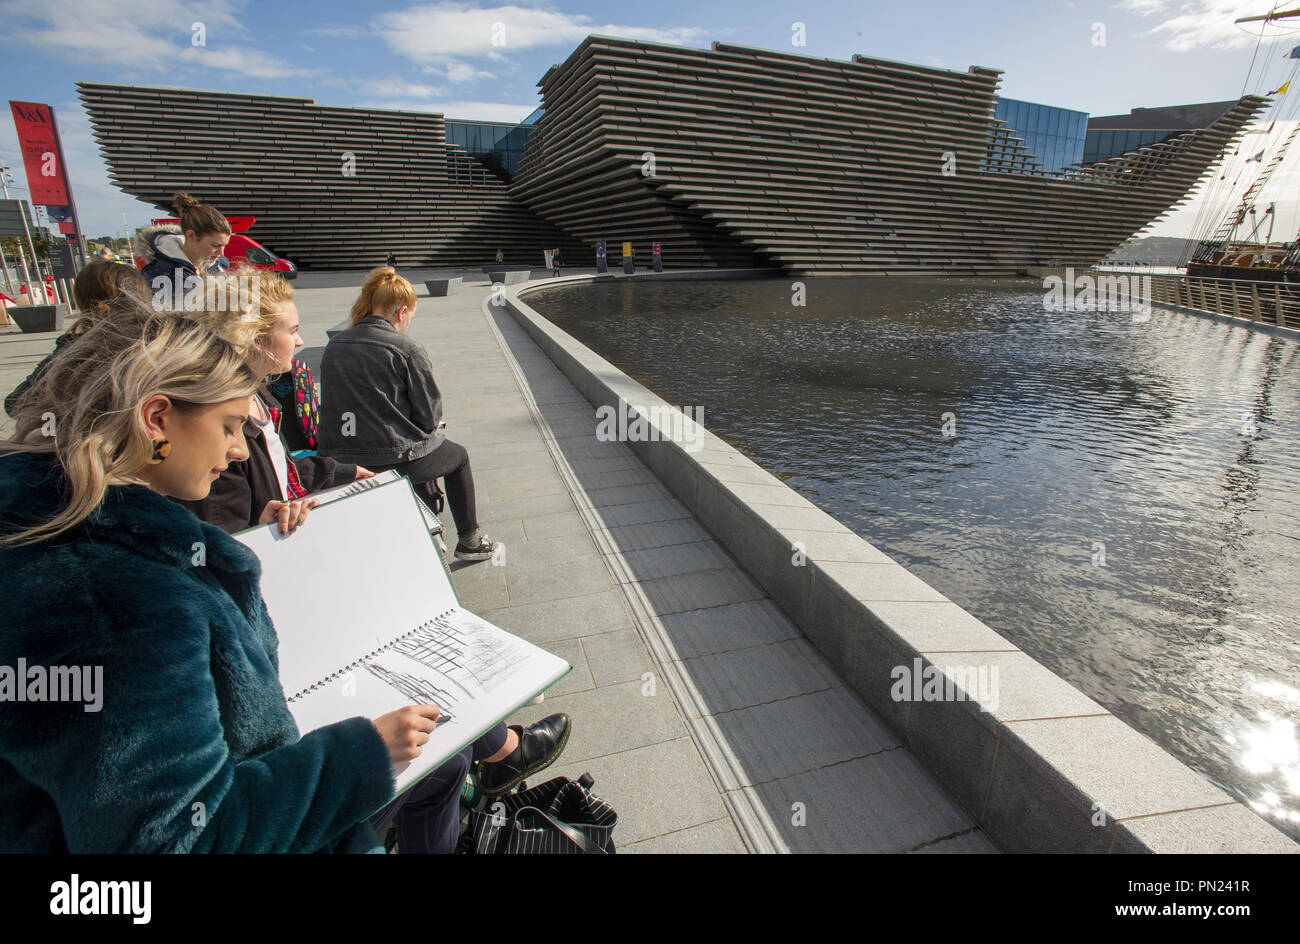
(482, 549)
(539, 746)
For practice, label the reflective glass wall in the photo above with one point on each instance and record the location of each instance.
(1054, 135)
(1105, 143)
(500, 146)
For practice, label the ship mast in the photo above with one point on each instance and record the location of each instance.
(1221, 242)
(1268, 17)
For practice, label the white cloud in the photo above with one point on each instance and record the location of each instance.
(397, 87)
(448, 29)
(148, 35)
(462, 72)
(1201, 24)
(1144, 7)
(252, 63)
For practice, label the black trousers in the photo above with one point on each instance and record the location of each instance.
(428, 815)
(449, 462)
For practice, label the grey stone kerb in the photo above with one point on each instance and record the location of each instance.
(1039, 765)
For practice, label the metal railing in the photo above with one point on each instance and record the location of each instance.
(1274, 303)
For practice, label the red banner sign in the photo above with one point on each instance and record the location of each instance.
(40, 146)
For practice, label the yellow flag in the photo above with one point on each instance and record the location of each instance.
(1282, 89)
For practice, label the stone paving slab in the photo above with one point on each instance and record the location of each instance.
(706, 706)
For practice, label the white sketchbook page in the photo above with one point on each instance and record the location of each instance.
(361, 572)
(475, 672)
(364, 573)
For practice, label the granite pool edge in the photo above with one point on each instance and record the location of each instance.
(1036, 763)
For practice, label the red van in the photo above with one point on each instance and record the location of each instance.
(243, 248)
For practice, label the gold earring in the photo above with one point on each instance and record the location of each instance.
(161, 450)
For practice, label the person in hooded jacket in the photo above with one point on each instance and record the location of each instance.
(176, 255)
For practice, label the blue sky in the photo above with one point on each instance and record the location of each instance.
(441, 57)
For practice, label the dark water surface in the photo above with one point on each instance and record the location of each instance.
(1173, 443)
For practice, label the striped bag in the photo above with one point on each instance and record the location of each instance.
(560, 816)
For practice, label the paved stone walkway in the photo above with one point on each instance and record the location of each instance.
(706, 718)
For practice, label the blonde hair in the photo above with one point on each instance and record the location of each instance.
(272, 293)
(384, 291)
(93, 393)
(231, 306)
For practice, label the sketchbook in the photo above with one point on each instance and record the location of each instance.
(379, 478)
(368, 621)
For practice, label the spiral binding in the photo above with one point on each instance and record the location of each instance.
(368, 656)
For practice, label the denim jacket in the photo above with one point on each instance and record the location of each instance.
(379, 403)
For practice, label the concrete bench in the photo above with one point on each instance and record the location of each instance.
(510, 277)
(34, 319)
(338, 328)
(441, 287)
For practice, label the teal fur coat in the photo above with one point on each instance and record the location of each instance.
(193, 748)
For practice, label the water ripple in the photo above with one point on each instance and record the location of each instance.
(1168, 443)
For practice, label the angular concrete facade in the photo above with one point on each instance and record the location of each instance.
(828, 167)
(729, 157)
(333, 188)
